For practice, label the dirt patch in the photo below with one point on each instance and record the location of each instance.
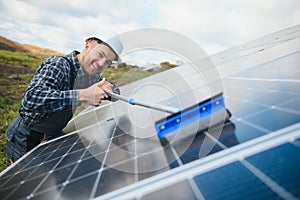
(12, 85)
(6, 69)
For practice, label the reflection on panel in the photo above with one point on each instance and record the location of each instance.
(114, 150)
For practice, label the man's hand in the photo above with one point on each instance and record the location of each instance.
(95, 93)
(110, 88)
(106, 86)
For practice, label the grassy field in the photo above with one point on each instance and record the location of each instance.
(16, 71)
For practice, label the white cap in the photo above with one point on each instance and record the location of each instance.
(111, 39)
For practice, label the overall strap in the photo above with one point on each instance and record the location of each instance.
(72, 72)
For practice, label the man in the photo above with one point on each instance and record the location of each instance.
(49, 101)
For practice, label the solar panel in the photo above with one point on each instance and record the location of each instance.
(119, 155)
(256, 169)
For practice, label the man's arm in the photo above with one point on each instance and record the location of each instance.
(49, 88)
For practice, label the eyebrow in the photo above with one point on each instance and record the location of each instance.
(103, 54)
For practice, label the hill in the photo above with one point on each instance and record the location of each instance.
(10, 45)
(13, 46)
(41, 52)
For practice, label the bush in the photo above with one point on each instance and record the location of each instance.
(2, 152)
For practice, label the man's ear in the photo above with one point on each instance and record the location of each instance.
(90, 44)
(87, 45)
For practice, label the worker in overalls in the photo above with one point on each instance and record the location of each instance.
(60, 84)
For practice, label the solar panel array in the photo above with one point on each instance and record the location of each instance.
(255, 155)
(252, 170)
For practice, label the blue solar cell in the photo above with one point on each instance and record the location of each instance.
(293, 105)
(245, 132)
(193, 154)
(174, 164)
(68, 141)
(78, 146)
(88, 165)
(203, 146)
(51, 192)
(281, 70)
(20, 176)
(70, 158)
(282, 164)
(3, 180)
(273, 98)
(77, 188)
(42, 168)
(36, 160)
(112, 179)
(293, 87)
(239, 92)
(57, 177)
(274, 119)
(233, 181)
(247, 108)
(227, 134)
(181, 190)
(24, 188)
(58, 153)
(5, 192)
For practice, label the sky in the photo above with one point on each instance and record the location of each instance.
(215, 25)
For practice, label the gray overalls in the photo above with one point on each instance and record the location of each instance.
(21, 138)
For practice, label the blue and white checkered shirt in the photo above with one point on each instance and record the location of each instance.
(54, 87)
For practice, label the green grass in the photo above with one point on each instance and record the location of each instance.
(13, 84)
(2, 152)
(19, 59)
(8, 111)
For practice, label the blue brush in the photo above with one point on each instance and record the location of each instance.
(200, 114)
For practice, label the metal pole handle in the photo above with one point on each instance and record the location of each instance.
(131, 101)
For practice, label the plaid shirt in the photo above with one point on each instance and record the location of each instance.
(54, 87)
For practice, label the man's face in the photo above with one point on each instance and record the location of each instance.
(97, 58)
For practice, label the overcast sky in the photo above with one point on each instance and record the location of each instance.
(215, 25)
